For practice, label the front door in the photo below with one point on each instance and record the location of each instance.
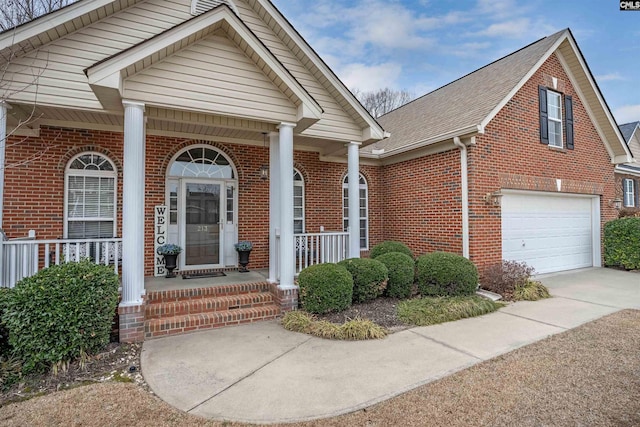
(202, 201)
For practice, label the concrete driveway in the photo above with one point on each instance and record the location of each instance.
(263, 374)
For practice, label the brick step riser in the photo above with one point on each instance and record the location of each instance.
(156, 328)
(196, 306)
(202, 293)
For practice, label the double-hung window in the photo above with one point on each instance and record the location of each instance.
(554, 107)
(90, 197)
(556, 124)
(629, 193)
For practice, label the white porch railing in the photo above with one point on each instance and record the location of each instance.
(24, 257)
(317, 248)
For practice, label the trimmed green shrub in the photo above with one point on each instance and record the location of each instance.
(369, 278)
(61, 313)
(622, 243)
(401, 274)
(390, 246)
(325, 288)
(445, 274)
(5, 348)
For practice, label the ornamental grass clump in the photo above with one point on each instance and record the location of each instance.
(445, 274)
(390, 246)
(61, 313)
(370, 278)
(531, 290)
(431, 311)
(401, 269)
(354, 330)
(325, 288)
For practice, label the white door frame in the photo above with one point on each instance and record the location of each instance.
(182, 221)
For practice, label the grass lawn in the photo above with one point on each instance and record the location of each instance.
(586, 376)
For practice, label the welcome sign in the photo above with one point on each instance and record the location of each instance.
(160, 227)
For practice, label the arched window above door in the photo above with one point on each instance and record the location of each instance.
(202, 162)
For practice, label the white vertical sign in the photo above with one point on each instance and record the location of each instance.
(160, 227)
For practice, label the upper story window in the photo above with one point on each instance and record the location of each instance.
(364, 209)
(298, 202)
(629, 193)
(556, 128)
(90, 197)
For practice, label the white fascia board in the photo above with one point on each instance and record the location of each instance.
(617, 160)
(313, 56)
(628, 171)
(603, 104)
(49, 21)
(524, 80)
(462, 133)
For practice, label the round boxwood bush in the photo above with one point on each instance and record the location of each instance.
(60, 313)
(445, 274)
(369, 278)
(390, 246)
(401, 274)
(325, 288)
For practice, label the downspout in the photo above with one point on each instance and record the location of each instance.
(464, 178)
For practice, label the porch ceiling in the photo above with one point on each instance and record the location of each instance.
(26, 120)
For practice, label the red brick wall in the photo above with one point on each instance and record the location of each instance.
(34, 191)
(422, 203)
(510, 155)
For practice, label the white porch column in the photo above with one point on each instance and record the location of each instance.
(3, 136)
(274, 204)
(133, 204)
(353, 190)
(287, 245)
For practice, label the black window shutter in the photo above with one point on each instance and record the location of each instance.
(568, 120)
(544, 115)
(636, 190)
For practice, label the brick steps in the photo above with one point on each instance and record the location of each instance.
(185, 310)
(195, 322)
(204, 305)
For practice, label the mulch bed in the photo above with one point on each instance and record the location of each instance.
(381, 311)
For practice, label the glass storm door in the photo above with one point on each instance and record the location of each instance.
(202, 237)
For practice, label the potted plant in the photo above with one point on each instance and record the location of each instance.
(170, 253)
(244, 249)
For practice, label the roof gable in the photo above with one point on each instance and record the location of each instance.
(465, 106)
(107, 76)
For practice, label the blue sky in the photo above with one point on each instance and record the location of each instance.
(420, 45)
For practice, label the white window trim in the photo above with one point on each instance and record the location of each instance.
(362, 185)
(550, 119)
(300, 183)
(629, 193)
(78, 172)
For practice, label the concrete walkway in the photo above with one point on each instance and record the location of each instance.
(261, 373)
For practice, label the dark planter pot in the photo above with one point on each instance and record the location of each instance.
(170, 264)
(243, 260)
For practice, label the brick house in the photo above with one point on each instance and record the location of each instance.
(628, 175)
(513, 161)
(202, 123)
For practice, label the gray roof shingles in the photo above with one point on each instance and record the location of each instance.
(627, 130)
(461, 104)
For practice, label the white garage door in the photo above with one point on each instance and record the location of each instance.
(550, 233)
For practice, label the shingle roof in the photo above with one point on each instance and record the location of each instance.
(463, 103)
(627, 130)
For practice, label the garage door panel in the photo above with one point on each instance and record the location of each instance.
(549, 233)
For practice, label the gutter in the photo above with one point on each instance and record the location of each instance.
(464, 178)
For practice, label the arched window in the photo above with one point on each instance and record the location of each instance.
(298, 202)
(90, 197)
(202, 162)
(364, 209)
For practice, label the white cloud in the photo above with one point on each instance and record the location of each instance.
(507, 28)
(627, 113)
(370, 77)
(609, 77)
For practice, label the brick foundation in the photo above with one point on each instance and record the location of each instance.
(131, 323)
(286, 299)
